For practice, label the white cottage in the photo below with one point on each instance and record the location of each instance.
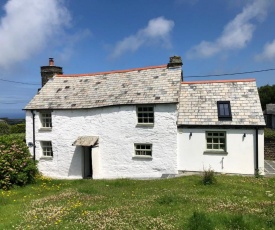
(141, 123)
(220, 126)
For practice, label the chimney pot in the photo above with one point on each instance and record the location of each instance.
(175, 61)
(47, 72)
(51, 62)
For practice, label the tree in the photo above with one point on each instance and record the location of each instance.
(4, 128)
(267, 95)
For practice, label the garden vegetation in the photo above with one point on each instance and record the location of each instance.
(235, 202)
(16, 165)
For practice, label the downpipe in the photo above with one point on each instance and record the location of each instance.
(33, 133)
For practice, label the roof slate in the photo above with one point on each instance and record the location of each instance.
(151, 85)
(198, 103)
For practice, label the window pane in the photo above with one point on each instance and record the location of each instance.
(226, 110)
(215, 146)
(215, 140)
(221, 108)
(209, 146)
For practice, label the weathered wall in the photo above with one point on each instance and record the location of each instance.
(240, 157)
(269, 149)
(117, 131)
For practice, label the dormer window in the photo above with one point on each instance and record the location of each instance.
(224, 110)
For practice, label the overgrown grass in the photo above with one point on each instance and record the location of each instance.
(179, 203)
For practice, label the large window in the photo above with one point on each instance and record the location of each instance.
(47, 150)
(143, 149)
(145, 114)
(46, 119)
(216, 141)
(224, 110)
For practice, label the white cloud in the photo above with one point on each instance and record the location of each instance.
(157, 31)
(268, 52)
(236, 34)
(28, 26)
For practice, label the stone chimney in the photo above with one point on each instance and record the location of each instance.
(175, 61)
(47, 72)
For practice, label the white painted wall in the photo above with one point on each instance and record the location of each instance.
(240, 157)
(117, 131)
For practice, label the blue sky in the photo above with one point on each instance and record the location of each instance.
(212, 37)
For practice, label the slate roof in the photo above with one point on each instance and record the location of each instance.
(198, 103)
(150, 85)
(270, 109)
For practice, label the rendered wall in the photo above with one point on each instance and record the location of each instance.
(240, 157)
(118, 131)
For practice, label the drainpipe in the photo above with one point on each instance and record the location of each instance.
(257, 153)
(33, 133)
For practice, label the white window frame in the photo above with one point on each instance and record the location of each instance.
(143, 150)
(47, 150)
(215, 141)
(145, 114)
(46, 119)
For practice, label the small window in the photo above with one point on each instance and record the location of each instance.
(47, 150)
(216, 141)
(143, 149)
(46, 119)
(145, 114)
(224, 110)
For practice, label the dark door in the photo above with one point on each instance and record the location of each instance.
(87, 162)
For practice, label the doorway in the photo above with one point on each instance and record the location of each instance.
(87, 169)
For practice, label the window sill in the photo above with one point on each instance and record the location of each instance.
(215, 152)
(45, 129)
(145, 125)
(46, 158)
(142, 157)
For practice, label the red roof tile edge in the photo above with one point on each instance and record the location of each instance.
(110, 72)
(218, 81)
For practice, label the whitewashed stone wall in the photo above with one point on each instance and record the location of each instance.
(240, 157)
(118, 131)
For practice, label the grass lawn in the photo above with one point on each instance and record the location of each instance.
(235, 202)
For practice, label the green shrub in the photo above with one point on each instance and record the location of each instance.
(18, 128)
(4, 128)
(16, 164)
(209, 177)
(269, 133)
(199, 221)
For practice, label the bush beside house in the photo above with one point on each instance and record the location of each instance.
(16, 164)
